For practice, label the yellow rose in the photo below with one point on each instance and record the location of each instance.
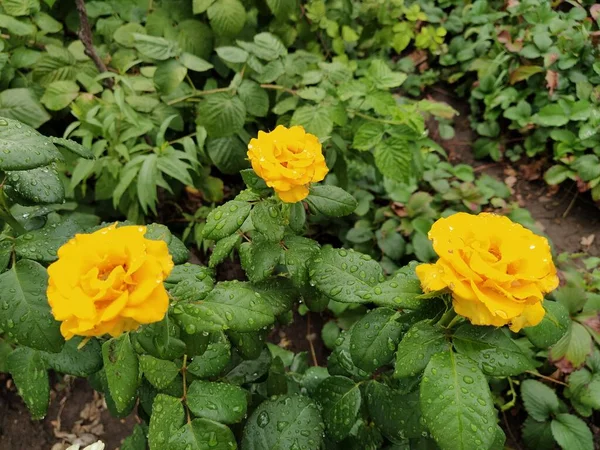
(288, 159)
(109, 281)
(497, 270)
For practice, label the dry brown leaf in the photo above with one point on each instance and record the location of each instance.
(551, 81)
(587, 241)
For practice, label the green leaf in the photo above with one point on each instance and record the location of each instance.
(397, 415)
(383, 77)
(194, 62)
(72, 360)
(221, 402)
(21, 104)
(214, 360)
(574, 346)
(457, 403)
(43, 244)
(331, 201)
(226, 219)
(221, 114)
(267, 220)
(122, 370)
(259, 259)
(552, 115)
(16, 27)
(538, 435)
(167, 417)
(345, 275)
(374, 339)
(177, 249)
(169, 75)
(136, 440)
(203, 434)
(282, 8)
(416, 348)
(231, 54)
(249, 371)
(557, 174)
(25, 315)
(227, 17)
(73, 147)
(60, 94)
(158, 372)
(20, 7)
(265, 46)
(572, 433)
(254, 97)
(31, 378)
(189, 282)
(223, 249)
(155, 47)
(368, 135)
(298, 252)
(553, 326)
(41, 185)
(540, 401)
(228, 154)
(315, 119)
(200, 6)
(401, 291)
(22, 147)
(283, 422)
(494, 352)
(393, 158)
(340, 399)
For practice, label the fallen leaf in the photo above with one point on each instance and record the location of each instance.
(510, 181)
(551, 81)
(595, 11)
(588, 241)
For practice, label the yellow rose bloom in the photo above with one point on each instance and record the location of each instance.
(288, 159)
(497, 270)
(109, 281)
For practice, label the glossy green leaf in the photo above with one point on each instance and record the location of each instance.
(158, 372)
(167, 417)
(226, 219)
(22, 147)
(122, 370)
(340, 399)
(220, 402)
(419, 344)
(31, 378)
(572, 433)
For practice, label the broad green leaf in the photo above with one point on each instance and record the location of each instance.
(340, 399)
(221, 114)
(22, 147)
(42, 245)
(249, 345)
(538, 435)
(122, 370)
(266, 46)
(228, 154)
(22, 105)
(574, 346)
(158, 372)
(169, 75)
(226, 219)
(401, 291)
(177, 249)
(383, 77)
(60, 94)
(259, 259)
(540, 401)
(267, 220)
(16, 27)
(200, 6)
(227, 17)
(557, 174)
(223, 249)
(368, 135)
(416, 348)
(345, 275)
(393, 158)
(255, 98)
(212, 362)
(203, 434)
(155, 47)
(494, 352)
(72, 360)
(73, 147)
(221, 402)
(46, 23)
(283, 422)
(136, 440)
(167, 417)
(551, 115)
(331, 201)
(340, 362)
(572, 433)
(251, 370)
(231, 54)
(189, 282)
(41, 185)
(25, 315)
(282, 8)
(457, 404)
(31, 378)
(523, 73)
(298, 253)
(194, 62)
(375, 338)
(20, 7)
(279, 293)
(397, 415)
(315, 119)
(553, 326)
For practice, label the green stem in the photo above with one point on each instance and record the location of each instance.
(513, 400)
(375, 119)
(278, 88)
(448, 318)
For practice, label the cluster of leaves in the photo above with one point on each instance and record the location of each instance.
(537, 73)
